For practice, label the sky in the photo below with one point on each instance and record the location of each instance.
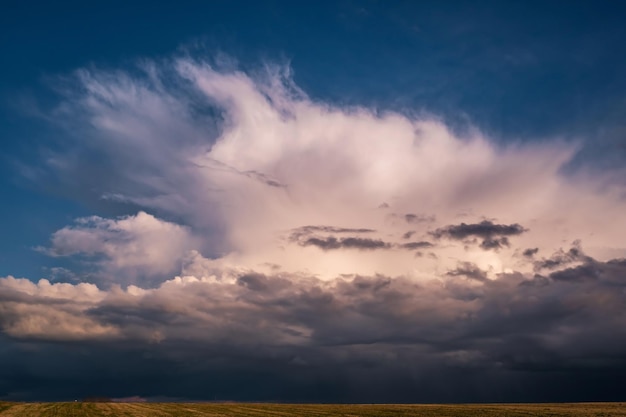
(346, 201)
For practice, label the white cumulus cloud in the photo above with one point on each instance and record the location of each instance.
(131, 246)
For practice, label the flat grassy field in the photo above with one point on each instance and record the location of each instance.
(318, 410)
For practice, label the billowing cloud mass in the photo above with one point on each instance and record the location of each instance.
(131, 246)
(341, 254)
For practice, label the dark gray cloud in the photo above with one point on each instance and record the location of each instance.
(530, 252)
(307, 230)
(495, 243)
(416, 245)
(484, 229)
(494, 236)
(561, 258)
(469, 270)
(310, 236)
(418, 218)
(362, 338)
(612, 271)
(408, 234)
(331, 242)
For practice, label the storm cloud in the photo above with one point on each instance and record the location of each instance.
(253, 260)
(350, 326)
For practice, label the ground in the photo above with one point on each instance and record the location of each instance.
(80, 409)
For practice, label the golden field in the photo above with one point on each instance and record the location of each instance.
(80, 409)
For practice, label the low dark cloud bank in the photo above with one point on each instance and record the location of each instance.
(281, 337)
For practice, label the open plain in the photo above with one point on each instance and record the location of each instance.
(80, 409)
